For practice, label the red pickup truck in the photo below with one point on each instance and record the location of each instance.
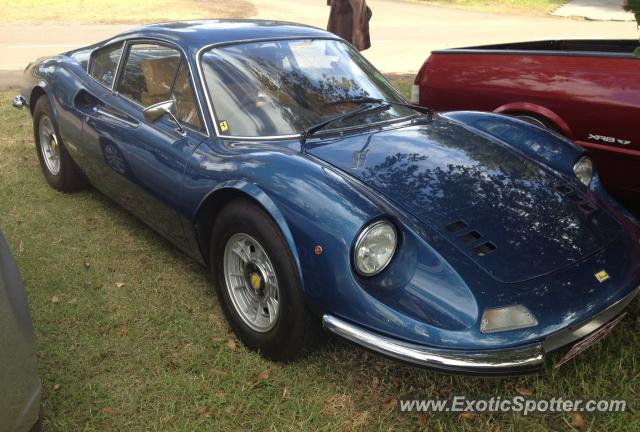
(587, 90)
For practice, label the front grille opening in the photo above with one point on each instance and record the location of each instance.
(563, 189)
(456, 226)
(485, 248)
(471, 236)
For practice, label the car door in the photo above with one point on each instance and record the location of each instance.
(141, 163)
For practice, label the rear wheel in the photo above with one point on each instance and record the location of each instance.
(57, 166)
(257, 284)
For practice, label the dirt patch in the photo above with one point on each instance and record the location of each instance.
(229, 9)
(121, 11)
(10, 80)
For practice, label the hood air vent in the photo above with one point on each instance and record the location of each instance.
(485, 248)
(456, 226)
(471, 237)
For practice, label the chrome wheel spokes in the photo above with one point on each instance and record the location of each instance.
(251, 282)
(49, 145)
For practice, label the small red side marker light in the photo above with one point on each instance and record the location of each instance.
(317, 250)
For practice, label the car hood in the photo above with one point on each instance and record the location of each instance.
(515, 219)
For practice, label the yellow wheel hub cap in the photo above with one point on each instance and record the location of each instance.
(256, 281)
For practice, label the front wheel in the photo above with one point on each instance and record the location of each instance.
(257, 284)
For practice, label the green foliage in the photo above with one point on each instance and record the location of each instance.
(633, 6)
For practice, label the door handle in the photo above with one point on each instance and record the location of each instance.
(114, 116)
(92, 107)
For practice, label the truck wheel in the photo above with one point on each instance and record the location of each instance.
(57, 166)
(257, 284)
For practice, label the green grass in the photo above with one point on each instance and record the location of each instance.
(525, 7)
(153, 354)
(119, 11)
(403, 83)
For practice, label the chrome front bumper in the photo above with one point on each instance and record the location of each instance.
(486, 362)
(515, 360)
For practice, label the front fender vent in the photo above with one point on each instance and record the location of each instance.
(573, 196)
(587, 207)
(563, 189)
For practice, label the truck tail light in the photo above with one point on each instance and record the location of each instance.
(415, 94)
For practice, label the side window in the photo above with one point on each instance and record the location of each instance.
(186, 108)
(103, 64)
(148, 73)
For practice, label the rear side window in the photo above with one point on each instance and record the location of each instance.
(149, 73)
(104, 63)
(186, 110)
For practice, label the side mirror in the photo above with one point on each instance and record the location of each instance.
(154, 112)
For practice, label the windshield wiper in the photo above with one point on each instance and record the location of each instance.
(383, 105)
(363, 100)
(355, 100)
(316, 127)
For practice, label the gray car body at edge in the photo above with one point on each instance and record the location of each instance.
(20, 385)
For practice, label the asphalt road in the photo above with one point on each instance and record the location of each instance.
(600, 10)
(21, 44)
(403, 32)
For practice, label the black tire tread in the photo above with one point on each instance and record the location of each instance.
(308, 334)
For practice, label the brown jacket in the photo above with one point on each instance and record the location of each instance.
(349, 19)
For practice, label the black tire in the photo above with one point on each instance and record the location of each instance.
(296, 331)
(37, 427)
(68, 177)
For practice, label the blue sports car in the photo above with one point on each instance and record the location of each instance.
(277, 156)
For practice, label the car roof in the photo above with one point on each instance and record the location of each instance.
(197, 34)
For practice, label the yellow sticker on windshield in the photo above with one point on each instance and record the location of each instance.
(602, 276)
(224, 127)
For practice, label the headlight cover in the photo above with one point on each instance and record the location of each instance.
(583, 169)
(507, 318)
(375, 247)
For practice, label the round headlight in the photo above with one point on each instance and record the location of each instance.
(375, 247)
(583, 169)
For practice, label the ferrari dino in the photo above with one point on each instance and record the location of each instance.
(277, 156)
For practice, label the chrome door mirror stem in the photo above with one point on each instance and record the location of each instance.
(154, 112)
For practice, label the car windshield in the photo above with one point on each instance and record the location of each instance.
(277, 88)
